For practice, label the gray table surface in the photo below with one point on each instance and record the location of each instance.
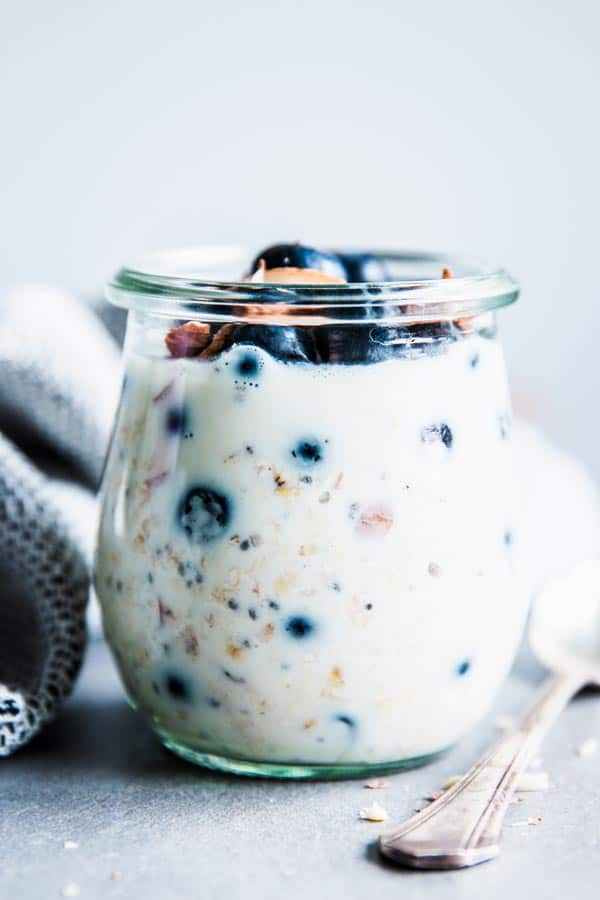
(98, 777)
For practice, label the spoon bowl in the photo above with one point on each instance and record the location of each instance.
(564, 629)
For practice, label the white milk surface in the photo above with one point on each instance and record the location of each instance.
(354, 606)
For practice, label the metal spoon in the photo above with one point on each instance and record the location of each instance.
(462, 828)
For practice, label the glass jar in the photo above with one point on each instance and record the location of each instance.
(304, 558)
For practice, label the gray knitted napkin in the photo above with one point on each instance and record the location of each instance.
(59, 381)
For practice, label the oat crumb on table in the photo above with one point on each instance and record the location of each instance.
(536, 820)
(533, 781)
(374, 813)
(376, 784)
(588, 747)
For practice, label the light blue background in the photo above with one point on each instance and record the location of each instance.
(470, 126)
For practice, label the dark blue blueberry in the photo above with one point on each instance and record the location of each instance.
(297, 256)
(244, 545)
(439, 432)
(274, 604)
(368, 606)
(203, 514)
(214, 703)
(150, 578)
(233, 604)
(281, 341)
(252, 613)
(247, 366)
(508, 538)
(364, 267)
(346, 720)
(176, 420)
(299, 627)
(177, 686)
(308, 452)
(463, 667)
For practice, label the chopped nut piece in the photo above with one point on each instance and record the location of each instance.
(188, 340)
(335, 677)
(375, 521)
(219, 341)
(376, 784)
(446, 273)
(374, 813)
(588, 747)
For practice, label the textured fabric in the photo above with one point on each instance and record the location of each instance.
(59, 376)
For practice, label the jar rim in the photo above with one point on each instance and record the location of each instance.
(177, 283)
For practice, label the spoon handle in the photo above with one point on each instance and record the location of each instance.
(463, 826)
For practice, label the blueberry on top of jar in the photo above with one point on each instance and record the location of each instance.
(364, 267)
(298, 257)
(203, 514)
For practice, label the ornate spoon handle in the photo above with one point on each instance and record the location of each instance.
(463, 826)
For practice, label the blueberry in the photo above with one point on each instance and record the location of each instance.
(176, 420)
(463, 667)
(247, 366)
(439, 432)
(177, 686)
(363, 267)
(346, 720)
(203, 514)
(299, 627)
(282, 342)
(297, 256)
(308, 452)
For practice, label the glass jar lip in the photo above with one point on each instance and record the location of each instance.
(176, 283)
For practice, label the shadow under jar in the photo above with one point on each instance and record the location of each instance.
(304, 558)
